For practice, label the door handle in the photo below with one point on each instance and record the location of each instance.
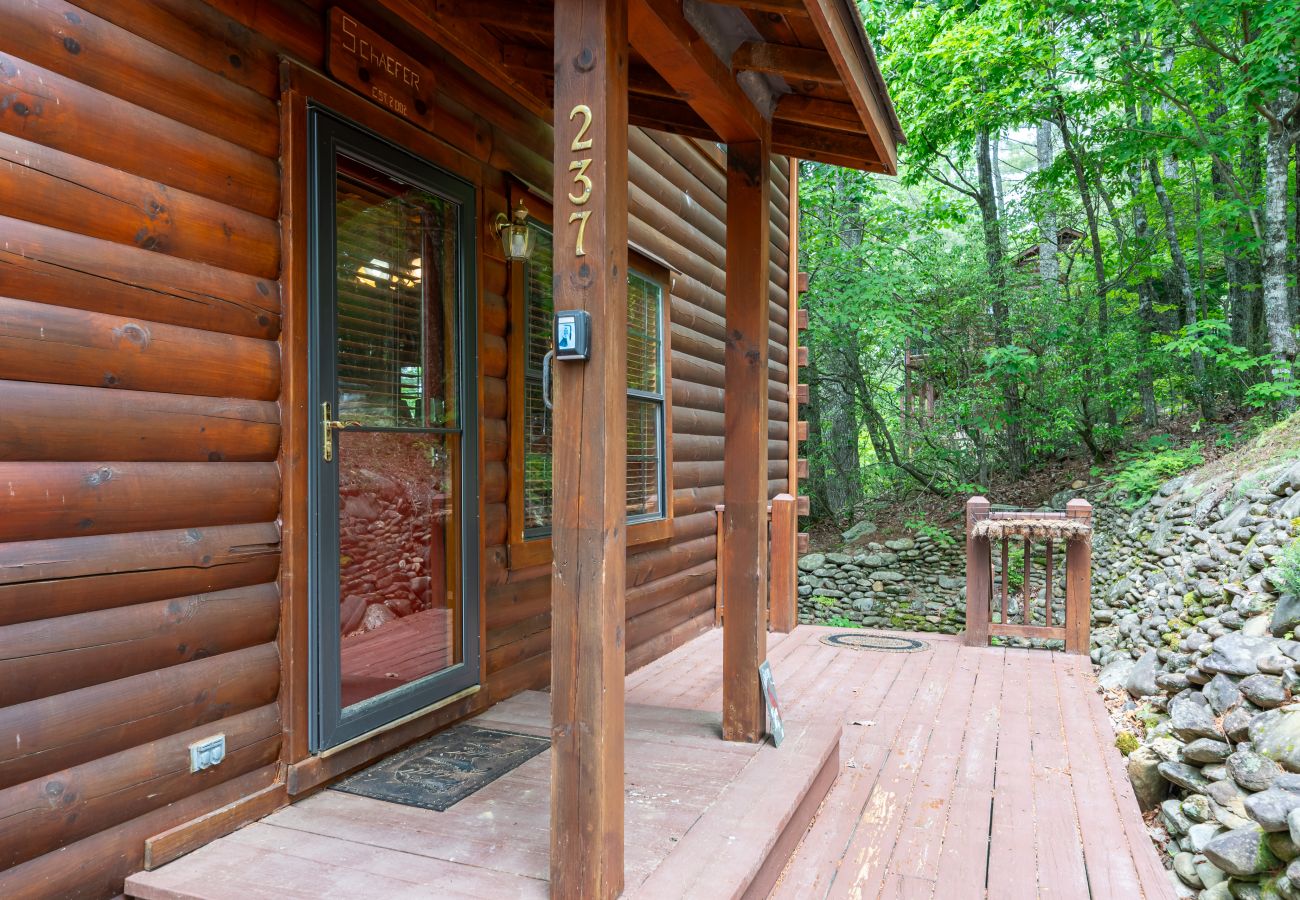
(328, 427)
(546, 378)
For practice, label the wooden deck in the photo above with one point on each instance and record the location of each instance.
(963, 773)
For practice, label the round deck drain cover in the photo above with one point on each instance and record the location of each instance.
(857, 640)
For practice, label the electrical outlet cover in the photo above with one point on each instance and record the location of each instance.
(207, 753)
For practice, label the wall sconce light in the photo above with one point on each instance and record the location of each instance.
(516, 236)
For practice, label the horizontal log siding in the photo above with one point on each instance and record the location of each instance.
(139, 374)
(140, 370)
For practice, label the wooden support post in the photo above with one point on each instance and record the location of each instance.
(978, 572)
(1078, 582)
(589, 536)
(744, 491)
(785, 583)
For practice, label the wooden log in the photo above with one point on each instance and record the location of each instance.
(77, 44)
(1078, 583)
(496, 440)
(688, 154)
(53, 811)
(96, 866)
(199, 33)
(63, 191)
(62, 113)
(77, 727)
(45, 579)
(63, 346)
(42, 658)
(495, 398)
(107, 498)
(494, 482)
(745, 564)
(295, 27)
(495, 314)
(784, 599)
(495, 523)
(589, 538)
(664, 618)
(666, 641)
(654, 157)
(69, 270)
(65, 422)
(978, 565)
(493, 355)
(699, 447)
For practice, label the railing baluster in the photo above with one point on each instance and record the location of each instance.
(1006, 558)
(1029, 619)
(1047, 589)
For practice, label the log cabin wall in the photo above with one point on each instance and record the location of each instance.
(142, 429)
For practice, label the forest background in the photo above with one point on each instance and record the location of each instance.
(1091, 254)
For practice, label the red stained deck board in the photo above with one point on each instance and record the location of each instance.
(957, 766)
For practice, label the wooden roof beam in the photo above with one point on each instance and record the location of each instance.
(660, 33)
(841, 34)
(856, 151)
(791, 63)
(814, 111)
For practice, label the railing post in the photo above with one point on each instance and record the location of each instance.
(979, 562)
(1078, 582)
(784, 614)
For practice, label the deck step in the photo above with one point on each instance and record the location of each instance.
(705, 818)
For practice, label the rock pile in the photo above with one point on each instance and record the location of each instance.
(913, 584)
(1193, 564)
(1221, 763)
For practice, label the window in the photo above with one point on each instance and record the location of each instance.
(648, 404)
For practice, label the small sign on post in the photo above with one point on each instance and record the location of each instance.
(775, 724)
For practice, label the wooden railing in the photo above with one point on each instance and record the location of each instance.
(783, 579)
(1030, 528)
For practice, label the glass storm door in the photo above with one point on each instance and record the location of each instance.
(394, 591)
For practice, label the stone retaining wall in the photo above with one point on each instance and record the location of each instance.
(910, 584)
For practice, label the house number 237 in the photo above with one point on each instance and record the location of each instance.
(580, 195)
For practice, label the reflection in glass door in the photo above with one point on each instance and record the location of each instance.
(394, 498)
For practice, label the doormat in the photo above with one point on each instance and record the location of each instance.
(885, 642)
(440, 771)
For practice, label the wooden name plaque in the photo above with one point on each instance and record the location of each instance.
(375, 68)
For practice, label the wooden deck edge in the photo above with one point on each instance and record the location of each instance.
(779, 856)
(175, 842)
(746, 837)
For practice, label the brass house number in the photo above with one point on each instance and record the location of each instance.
(581, 194)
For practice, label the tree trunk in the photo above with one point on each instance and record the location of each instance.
(1276, 296)
(1049, 265)
(1252, 165)
(1183, 281)
(993, 254)
(1098, 260)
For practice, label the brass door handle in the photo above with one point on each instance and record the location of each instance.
(328, 427)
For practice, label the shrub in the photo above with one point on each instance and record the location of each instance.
(841, 622)
(1148, 467)
(1288, 563)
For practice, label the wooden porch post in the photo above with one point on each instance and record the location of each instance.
(744, 492)
(1078, 582)
(589, 536)
(978, 575)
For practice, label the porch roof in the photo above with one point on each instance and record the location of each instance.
(802, 71)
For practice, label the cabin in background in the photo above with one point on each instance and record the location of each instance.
(276, 438)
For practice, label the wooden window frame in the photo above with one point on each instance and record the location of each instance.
(536, 551)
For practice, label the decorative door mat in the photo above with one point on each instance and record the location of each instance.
(857, 640)
(443, 770)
